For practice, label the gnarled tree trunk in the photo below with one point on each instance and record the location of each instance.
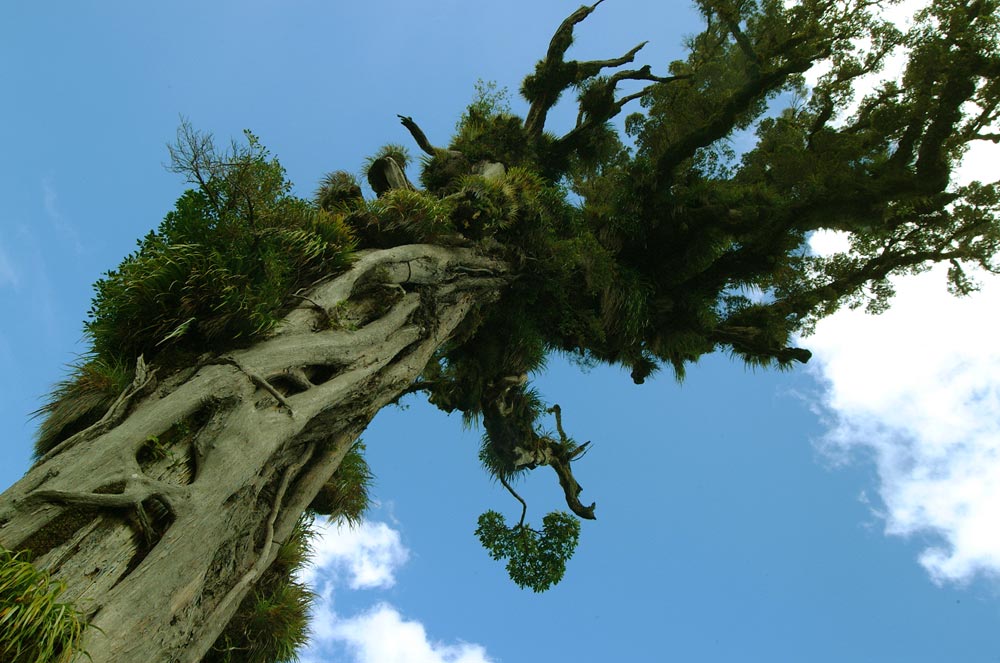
(161, 516)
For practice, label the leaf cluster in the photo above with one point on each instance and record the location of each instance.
(272, 622)
(347, 495)
(535, 559)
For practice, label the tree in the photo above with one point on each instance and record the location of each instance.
(241, 350)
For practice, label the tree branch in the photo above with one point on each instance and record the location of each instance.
(553, 75)
(524, 505)
(418, 135)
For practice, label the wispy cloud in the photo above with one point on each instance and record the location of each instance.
(919, 387)
(368, 557)
(62, 227)
(8, 275)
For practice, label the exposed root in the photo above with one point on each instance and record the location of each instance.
(132, 499)
(324, 315)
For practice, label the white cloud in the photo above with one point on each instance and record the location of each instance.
(381, 635)
(369, 556)
(919, 387)
(827, 242)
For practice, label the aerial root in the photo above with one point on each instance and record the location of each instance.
(260, 381)
(131, 499)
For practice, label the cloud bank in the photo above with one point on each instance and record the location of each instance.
(368, 557)
(919, 389)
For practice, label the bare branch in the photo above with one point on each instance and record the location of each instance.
(418, 135)
(524, 505)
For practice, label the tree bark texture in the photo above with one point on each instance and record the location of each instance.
(161, 516)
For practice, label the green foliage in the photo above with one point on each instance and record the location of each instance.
(80, 399)
(338, 191)
(490, 100)
(536, 560)
(396, 152)
(401, 216)
(346, 496)
(648, 265)
(219, 269)
(36, 627)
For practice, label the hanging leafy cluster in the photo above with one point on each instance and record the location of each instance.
(536, 560)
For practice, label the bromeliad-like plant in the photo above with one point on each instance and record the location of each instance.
(35, 626)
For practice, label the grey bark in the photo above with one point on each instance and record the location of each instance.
(160, 553)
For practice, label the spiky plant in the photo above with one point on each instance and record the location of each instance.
(34, 626)
(346, 496)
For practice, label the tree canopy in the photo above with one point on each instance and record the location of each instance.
(647, 249)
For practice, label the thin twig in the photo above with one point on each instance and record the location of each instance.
(524, 505)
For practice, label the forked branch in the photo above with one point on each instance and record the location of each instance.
(553, 75)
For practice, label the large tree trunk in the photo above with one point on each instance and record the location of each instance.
(161, 516)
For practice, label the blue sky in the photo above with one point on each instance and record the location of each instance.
(843, 512)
